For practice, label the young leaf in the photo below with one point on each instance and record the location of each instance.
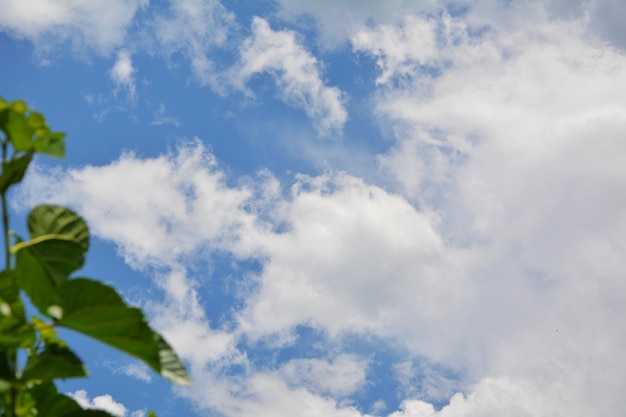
(96, 310)
(51, 144)
(17, 128)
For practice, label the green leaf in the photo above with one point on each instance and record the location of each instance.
(54, 362)
(13, 171)
(60, 239)
(172, 367)
(88, 413)
(44, 263)
(7, 370)
(50, 403)
(57, 255)
(32, 278)
(152, 414)
(17, 128)
(46, 331)
(51, 144)
(15, 331)
(97, 310)
(57, 220)
(10, 294)
(19, 106)
(14, 334)
(25, 404)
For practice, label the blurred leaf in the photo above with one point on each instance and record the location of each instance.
(13, 171)
(45, 330)
(54, 362)
(57, 220)
(36, 120)
(52, 404)
(15, 331)
(88, 413)
(7, 369)
(14, 334)
(97, 310)
(10, 294)
(16, 127)
(19, 106)
(172, 367)
(51, 144)
(25, 404)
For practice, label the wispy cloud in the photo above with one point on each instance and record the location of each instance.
(160, 118)
(194, 29)
(123, 75)
(297, 74)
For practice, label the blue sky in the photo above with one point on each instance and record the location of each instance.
(342, 208)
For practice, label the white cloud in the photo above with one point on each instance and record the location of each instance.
(136, 370)
(265, 394)
(337, 20)
(102, 402)
(156, 209)
(95, 25)
(122, 75)
(339, 377)
(398, 48)
(355, 258)
(296, 72)
(507, 141)
(194, 28)
(515, 140)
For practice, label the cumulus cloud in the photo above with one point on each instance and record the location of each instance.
(138, 204)
(513, 136)
(354, 258)
(501, 255)
(95, 25)
(296, 73)
(102, 402)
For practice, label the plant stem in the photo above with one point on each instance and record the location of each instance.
(5, 214)
(5, 229)
(7, 259)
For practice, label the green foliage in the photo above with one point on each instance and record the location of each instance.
(43, 271)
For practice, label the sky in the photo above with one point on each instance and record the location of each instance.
(342, 208)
